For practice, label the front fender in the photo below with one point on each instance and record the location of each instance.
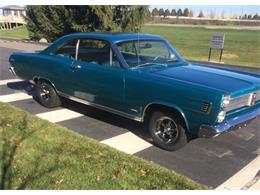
(169, 105)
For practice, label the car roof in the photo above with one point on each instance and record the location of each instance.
(114, 37)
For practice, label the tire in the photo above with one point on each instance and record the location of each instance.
(166, 131)
(47, 95)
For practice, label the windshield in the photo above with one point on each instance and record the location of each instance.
(139, 53)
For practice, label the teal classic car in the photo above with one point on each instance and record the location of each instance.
(142, 77)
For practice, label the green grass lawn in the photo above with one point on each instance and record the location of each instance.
(242, 47)
(36, 154)
(16, 33)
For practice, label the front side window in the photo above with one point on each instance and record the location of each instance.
(97, 52)
(141, 52)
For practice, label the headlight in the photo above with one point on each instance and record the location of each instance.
(225, 102)
(221, 116)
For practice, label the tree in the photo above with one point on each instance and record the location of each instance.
(186, 12)
(155, 12)
(223, 15)
(249, 17)
(255, 17)
(201, 14)
(179, 12)
(166, 13)
(161, 12)
(245, 16)
(53, 21)
(191, 14)
(173, 12)
(212, 14)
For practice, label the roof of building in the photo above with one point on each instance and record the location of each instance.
(12, 7)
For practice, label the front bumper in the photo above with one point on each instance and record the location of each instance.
(207, 131)
(11, 69)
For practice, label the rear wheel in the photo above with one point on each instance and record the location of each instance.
(167, 131)
(47, 95)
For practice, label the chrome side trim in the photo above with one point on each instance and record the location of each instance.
(139, 119)
(214, 130)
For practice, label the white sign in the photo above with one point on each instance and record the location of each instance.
(217, 41)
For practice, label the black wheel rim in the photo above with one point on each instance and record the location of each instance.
(166, 130)
(45, 92)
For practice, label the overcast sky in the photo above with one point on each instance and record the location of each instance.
(227, 10)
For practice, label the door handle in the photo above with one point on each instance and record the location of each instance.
(75, 67)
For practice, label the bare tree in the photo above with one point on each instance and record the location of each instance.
(191, 14)
(201, 14)
(223, 14)
(212, 14)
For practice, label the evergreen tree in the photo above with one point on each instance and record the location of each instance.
(173, 12)
(256, 17)
(155, 12)
(166, 13)
(186, 12)
(179, 12)
(53, 21)
(161, 12)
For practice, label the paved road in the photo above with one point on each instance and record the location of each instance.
(207, 161)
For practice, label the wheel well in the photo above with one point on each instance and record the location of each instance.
(37, 79)
(162, 108)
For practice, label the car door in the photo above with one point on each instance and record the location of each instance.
(98, 74)
(60, 67)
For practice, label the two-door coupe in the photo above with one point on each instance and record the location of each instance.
(142, 77)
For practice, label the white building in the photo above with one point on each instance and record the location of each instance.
(12, 16)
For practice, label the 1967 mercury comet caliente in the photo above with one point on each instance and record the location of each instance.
(142, 77)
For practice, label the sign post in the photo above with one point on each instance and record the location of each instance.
(217, 42)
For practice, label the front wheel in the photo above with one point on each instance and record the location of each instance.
(167, 131)
(47, 95)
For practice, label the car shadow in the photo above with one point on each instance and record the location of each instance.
(24, 86)
(137, 128)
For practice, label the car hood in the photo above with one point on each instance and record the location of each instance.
(224, 80)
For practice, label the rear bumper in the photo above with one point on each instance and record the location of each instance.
(207, 131)
(11, 69)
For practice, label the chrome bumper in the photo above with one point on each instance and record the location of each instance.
(207, 131)
(11, 69)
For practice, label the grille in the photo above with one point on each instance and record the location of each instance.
(242, 101)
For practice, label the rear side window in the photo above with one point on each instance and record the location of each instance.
(67, 49)
(97, 52)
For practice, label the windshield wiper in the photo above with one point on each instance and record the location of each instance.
(149, 64)
(175, 60)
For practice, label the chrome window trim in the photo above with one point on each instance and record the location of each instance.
(77, 50)
(108, 109)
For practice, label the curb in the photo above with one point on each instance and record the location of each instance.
(22, 41)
